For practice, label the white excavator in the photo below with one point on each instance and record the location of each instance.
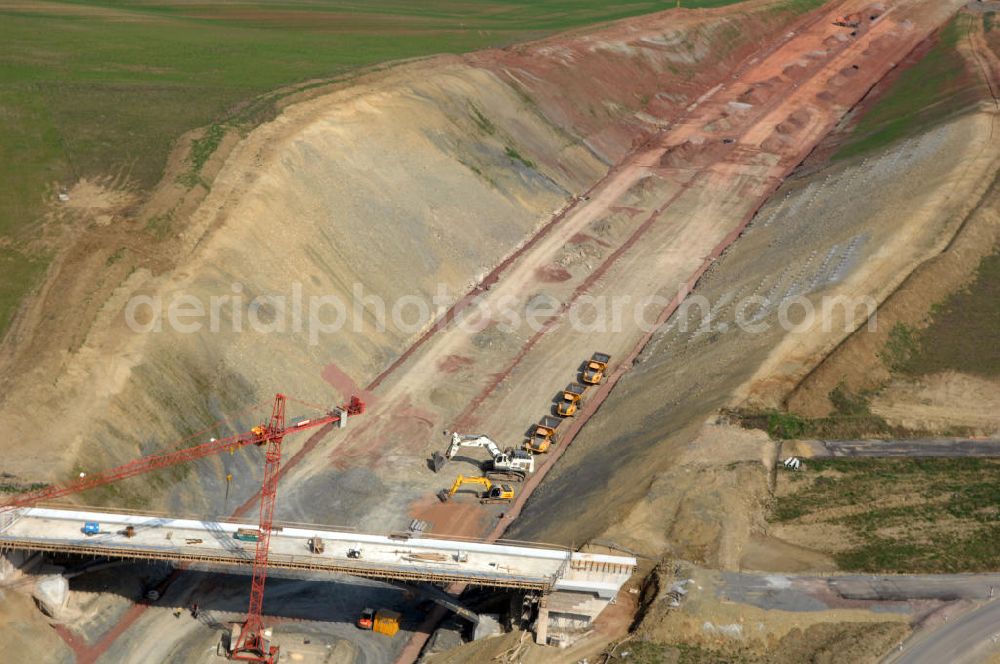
(509, 464)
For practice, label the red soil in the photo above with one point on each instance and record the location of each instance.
(552, 274)
(453, 363)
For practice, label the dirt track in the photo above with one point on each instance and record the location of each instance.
(687, 190)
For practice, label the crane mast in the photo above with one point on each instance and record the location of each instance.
(253, 644)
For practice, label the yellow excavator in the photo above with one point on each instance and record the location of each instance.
(572, 400)
(492, 493)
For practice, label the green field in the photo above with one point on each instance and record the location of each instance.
(91, 89)
(936, 88)
(962, 334)
(905, 515)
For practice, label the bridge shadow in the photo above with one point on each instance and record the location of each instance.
(222, 595)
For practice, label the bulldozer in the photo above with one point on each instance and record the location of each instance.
(507, 464)
(543, 435)
(593, 371)
(492, 493)
(572, 400)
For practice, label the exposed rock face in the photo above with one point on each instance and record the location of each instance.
(51, 592)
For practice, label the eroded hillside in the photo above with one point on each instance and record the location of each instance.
(430, 173)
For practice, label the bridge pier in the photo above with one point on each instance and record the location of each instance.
(542, 622)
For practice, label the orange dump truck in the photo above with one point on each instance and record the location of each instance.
(543, 435)
(386, 622)
(572, 400)
(593, 370)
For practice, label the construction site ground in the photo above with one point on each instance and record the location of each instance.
(687, 194)
(647, 472)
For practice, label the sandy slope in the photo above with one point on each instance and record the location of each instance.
(396, 182)
(827, 234)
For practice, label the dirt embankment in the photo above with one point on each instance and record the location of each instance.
(863, 362)
(853, 230)
(826, 244)
(664, 483)
(429, 173)
(940, 401)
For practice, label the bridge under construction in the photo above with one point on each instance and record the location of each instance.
(402, 557)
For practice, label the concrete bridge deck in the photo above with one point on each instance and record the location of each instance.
(405, 557)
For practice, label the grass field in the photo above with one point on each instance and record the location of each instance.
(933, 90)
(90, 89)
(962, 335)
(903, 515)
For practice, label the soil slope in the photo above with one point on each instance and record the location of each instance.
(853, 230)
(428, 174)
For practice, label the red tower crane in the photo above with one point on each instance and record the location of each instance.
(252, 644)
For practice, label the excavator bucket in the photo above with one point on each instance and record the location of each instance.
(444, 495)
(438, 461)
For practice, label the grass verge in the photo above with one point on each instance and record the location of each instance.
(962, 334)
(851, 419)
(933, 90)
(902, 515)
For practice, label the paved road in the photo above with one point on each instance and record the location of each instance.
(945, 587)
(917, 448)
(963, 639)
(966, 639)
(815, 593)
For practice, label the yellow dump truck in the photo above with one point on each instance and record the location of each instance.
(572, 400)
(593, 371)
(386, 622)
(542, 436)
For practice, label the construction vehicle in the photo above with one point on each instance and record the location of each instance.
(386, 622)
(848, 21)
(572, 400)
(508, 464)
(542, 436)
(792, 463)
(247, 535)
(367, 619)
(492, 493)
(249, 641)
(593, 371)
